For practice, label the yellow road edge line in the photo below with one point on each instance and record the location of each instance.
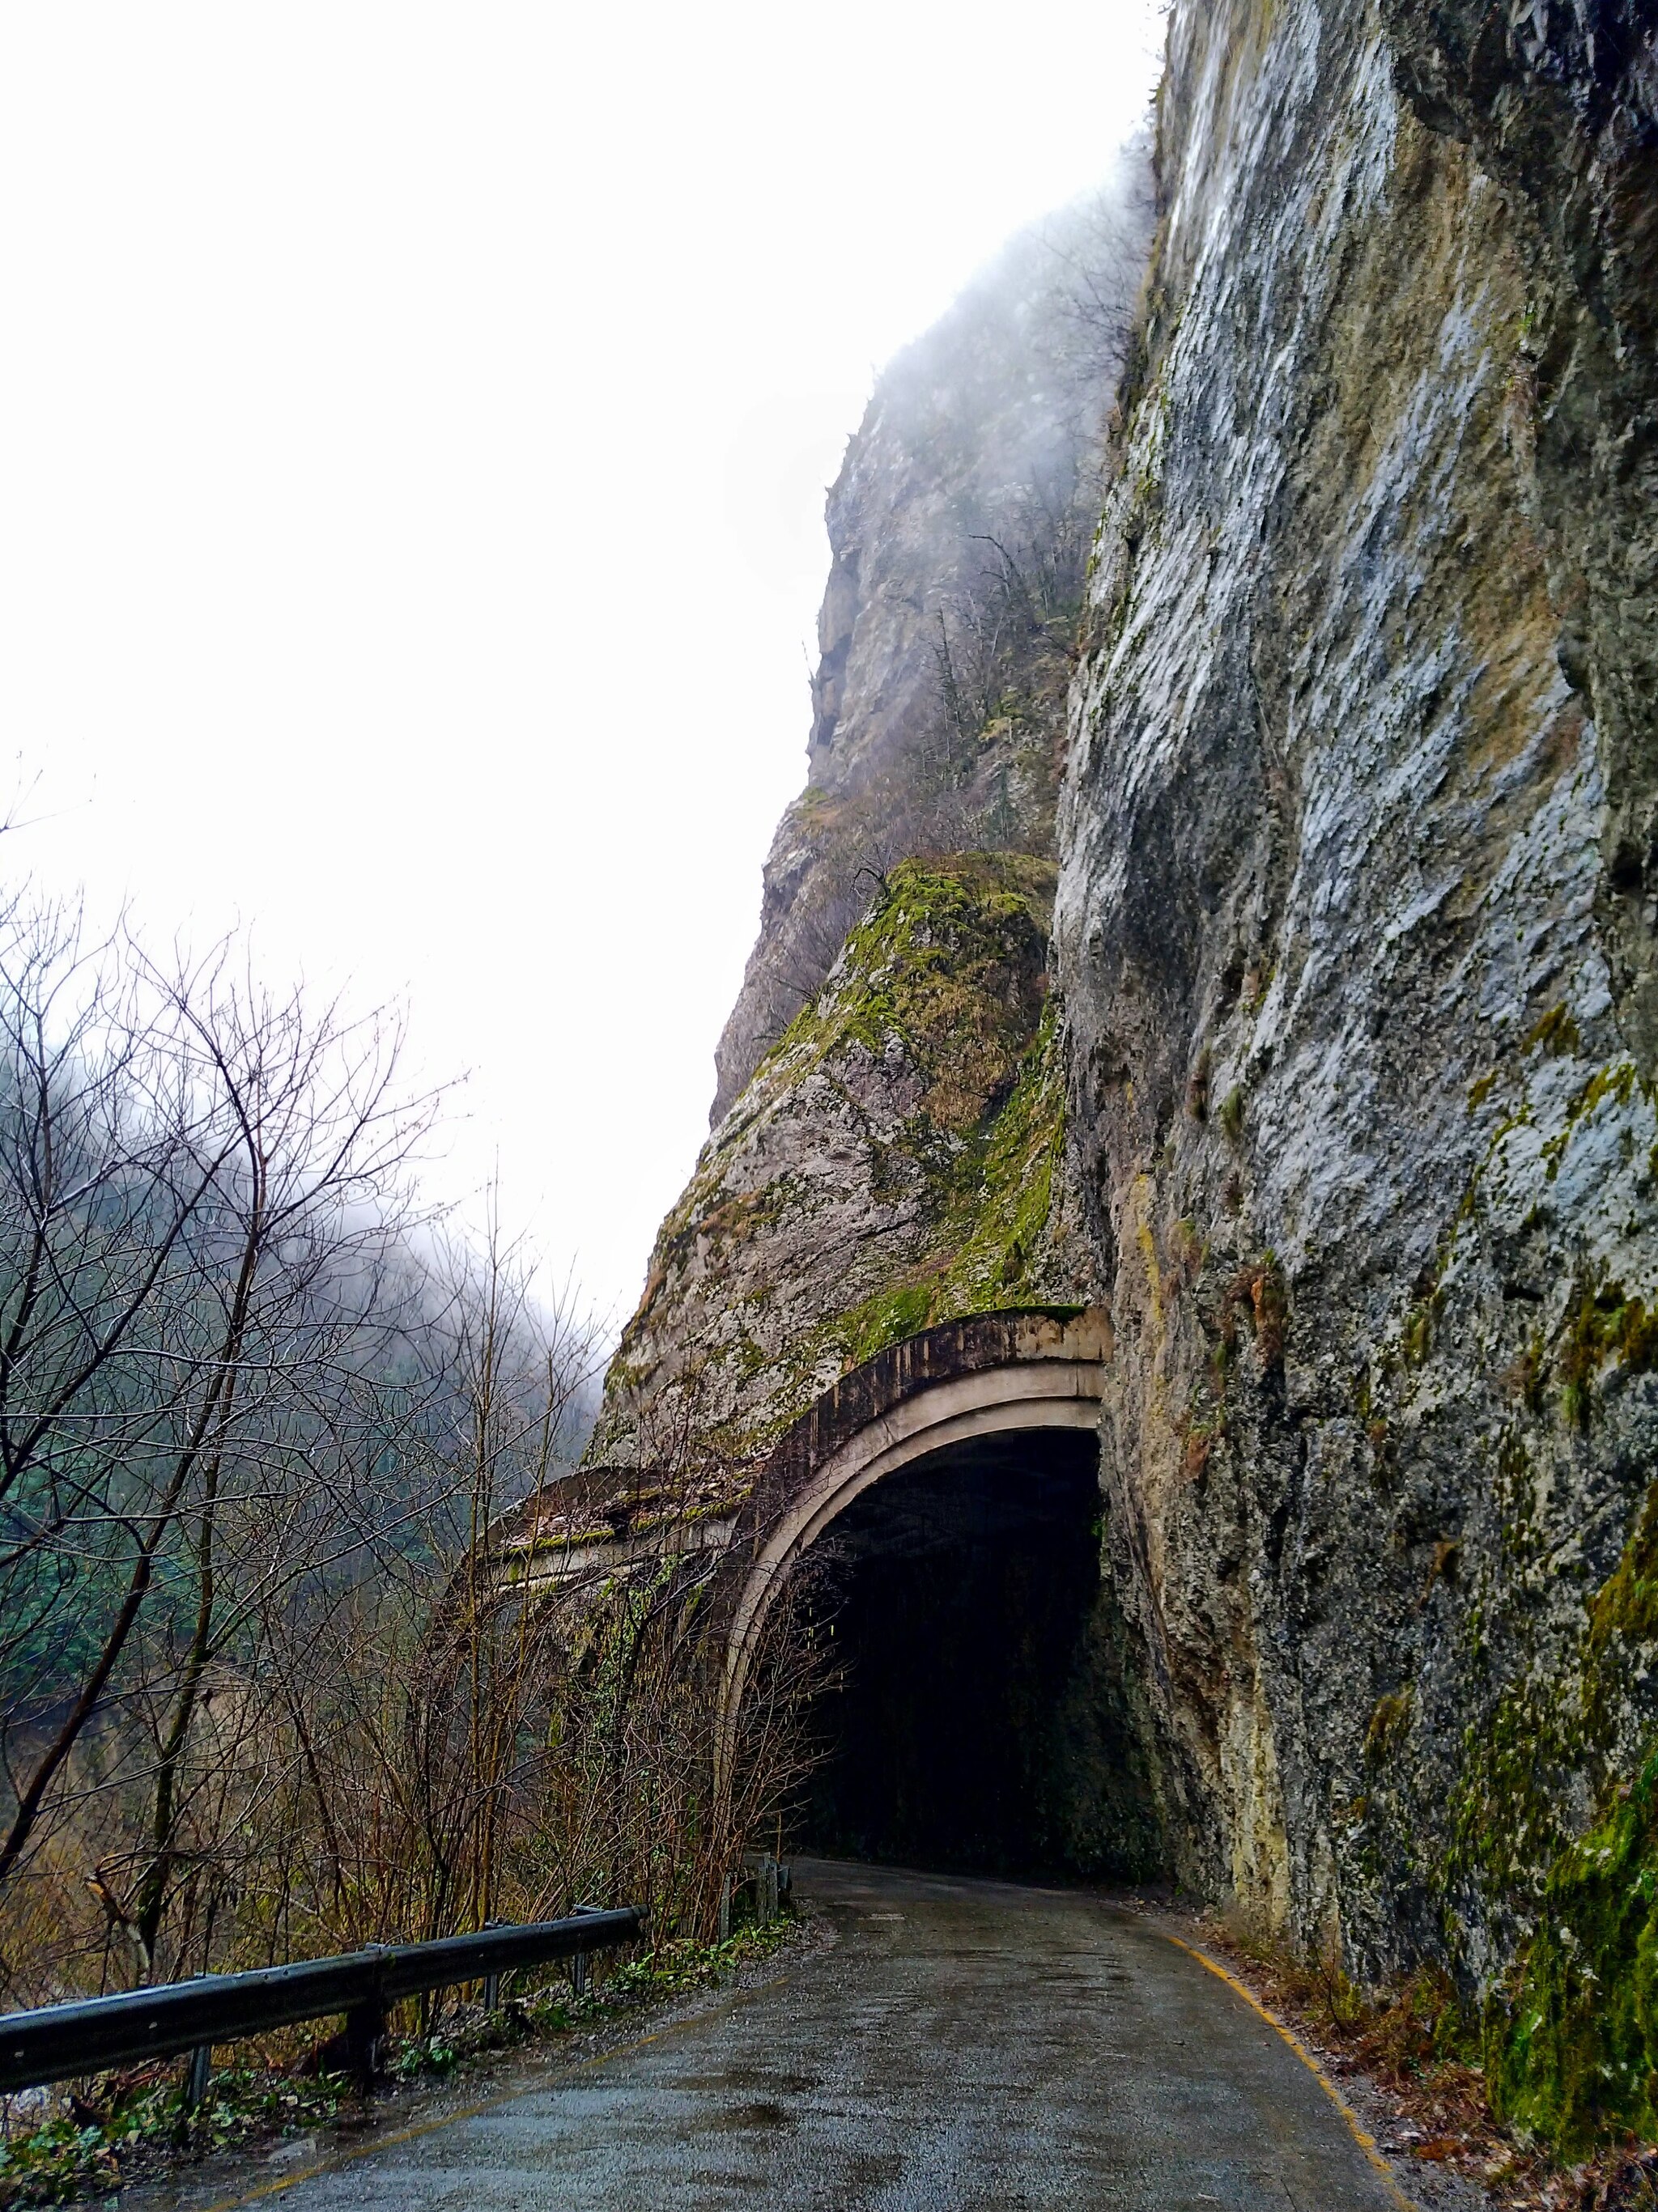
(391, 2137)
(1366, 2142)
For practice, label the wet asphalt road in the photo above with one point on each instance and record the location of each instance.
(962, 2044)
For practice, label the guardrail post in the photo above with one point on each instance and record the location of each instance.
(491, 1982)
(770, 1879)
(578, 1964)
(365, 2041)
(196, 2075)
(365, 2032)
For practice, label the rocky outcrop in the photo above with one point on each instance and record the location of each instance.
(1355, 950)
(959, 525)
(894, 1161)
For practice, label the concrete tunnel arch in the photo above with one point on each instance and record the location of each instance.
(997, 1374)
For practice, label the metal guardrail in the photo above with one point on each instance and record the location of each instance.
(61, 2041)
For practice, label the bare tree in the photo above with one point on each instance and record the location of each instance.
(1097, 248)
(199, 1185)
(278, 1673)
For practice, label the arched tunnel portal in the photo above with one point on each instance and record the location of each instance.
(987, 1706)
(982, 1708)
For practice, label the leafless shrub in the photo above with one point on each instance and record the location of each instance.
(274, 1683)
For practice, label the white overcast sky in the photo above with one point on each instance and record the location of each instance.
(414, 422)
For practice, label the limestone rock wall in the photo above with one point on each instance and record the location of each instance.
(1355, 931)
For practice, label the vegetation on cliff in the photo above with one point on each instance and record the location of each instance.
(1570, 2041)
(894, 1163)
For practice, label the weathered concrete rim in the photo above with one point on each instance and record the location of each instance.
(974, 1345)
(1054, 1394)
(570, 1565)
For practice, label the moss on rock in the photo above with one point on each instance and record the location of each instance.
(991, 1245)
(894, 1163)
(1573, 2057)
(1571, 2035)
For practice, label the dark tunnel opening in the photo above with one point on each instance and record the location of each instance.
(984, 1712)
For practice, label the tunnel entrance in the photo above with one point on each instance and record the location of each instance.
(983, 1714)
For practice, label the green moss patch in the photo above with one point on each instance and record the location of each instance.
(1572, 2043)
(1572, 2059)
(1556, 1033)
(1624, 1611)
(1602, 1325)
(950, 962)
(996, 1200)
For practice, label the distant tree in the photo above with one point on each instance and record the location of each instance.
(199, 1195)
(1097, 248)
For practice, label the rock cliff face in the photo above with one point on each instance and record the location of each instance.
(959, 527)
(897, 1160)
(1355, 933)
(889, 1123)
(1339, 1080)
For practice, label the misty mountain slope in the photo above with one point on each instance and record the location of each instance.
(959, 527)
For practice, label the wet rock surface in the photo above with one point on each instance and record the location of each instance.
(1362, 1080)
